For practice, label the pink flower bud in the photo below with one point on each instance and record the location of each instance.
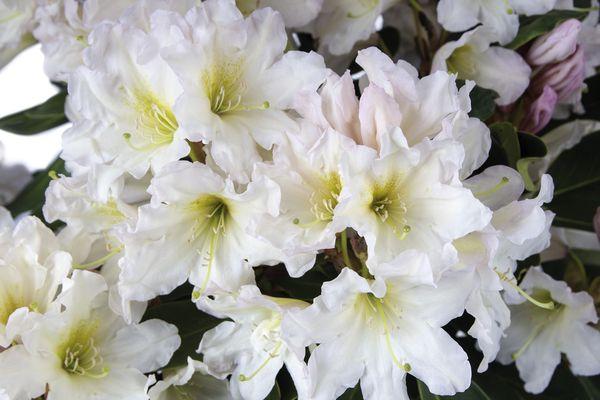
(555, 45)
(539, 112)
(565, 77)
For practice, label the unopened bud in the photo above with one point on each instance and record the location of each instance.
(556, 45)
(565, 77)
(539, 112)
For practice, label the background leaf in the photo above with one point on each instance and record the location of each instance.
(483, 104)
(576, 174)
(40, 118)
(32, 197)
(191, 323)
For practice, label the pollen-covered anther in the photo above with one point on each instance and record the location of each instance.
(84, 359)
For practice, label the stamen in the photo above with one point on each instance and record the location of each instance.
(388, 342)
(53, 175)
(550, 305)
(271, 355)
(494, 188)
(208, 262)
(82, 359)
(99, 261)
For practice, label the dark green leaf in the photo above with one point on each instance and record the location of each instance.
(32, 196)
(191, 323)
(533, 150)
(40, 118)
(483, 103)
(425, 394)
(505, 134)
(576, 174)
(275, 393)
(352, 394)
(390, 40)
(538, 25)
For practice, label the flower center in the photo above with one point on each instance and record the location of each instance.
(462, 63)
(388, 205)
(80, 355)
(8, 304)
(224, 86)
(155, 123)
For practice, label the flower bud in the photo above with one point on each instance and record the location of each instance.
(539, 112)
(555, 45)
(565, 77)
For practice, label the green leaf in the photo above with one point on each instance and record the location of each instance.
(40, 118)
(191, 323)
(390, 40)
(576, 174)
(425, 394)
(536, 26)
(32, 196)
(275, 393)
(352, 394)
(483, 103)
(533, 150)
(505, 135)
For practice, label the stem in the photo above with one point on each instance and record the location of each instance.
(344, 242)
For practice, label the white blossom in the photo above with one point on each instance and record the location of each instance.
(86, 351)
(473, 57)
(252, 347)
(32, 267)
(238, 82)
(537, 336)
(378, 330)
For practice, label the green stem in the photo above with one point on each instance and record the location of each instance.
(344, 242)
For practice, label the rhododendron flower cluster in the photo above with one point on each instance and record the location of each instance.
(236, 216)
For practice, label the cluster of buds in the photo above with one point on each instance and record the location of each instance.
(558, 64)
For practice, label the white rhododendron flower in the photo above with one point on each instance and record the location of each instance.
(431, 107)
(342, 23)
(378, 330)
(196, 228)
(501, 17)
(517, 230)
(123, 110)
(32, 267)
(310, 180)
(63, 30)
(238, 82)
(252, 347)
(296, 13)
(537, 336)
(191, 381)
(306, 199)
(410, 199)
(473, 57)
(16, 24)
(86, 349)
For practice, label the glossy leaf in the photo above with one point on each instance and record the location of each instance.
(483, 103)
(40, 118)
(32, 197)
(191, 323)
(576, 174)
(505, 136)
